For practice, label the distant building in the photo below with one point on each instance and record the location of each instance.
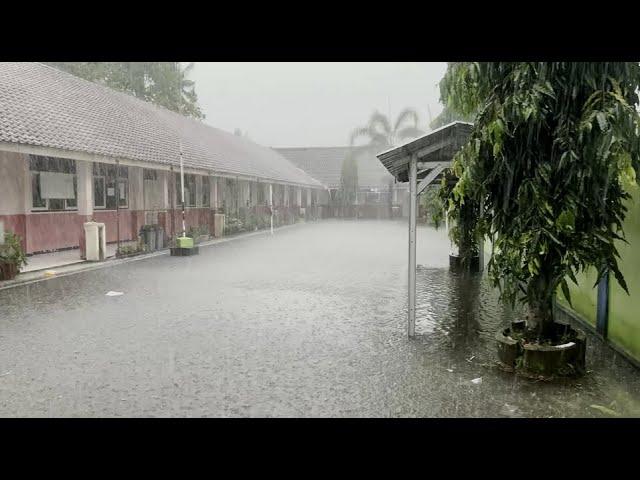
(72, 151)
(378, 194)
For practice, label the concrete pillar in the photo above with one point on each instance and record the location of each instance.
(308, 197)
(163, 177)
(298, 197)
(84, 171)
(136, 188)
(246, 201)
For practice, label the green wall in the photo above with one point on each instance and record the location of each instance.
(624, 310)
(584, 297)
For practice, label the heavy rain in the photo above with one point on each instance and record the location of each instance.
(188, 240)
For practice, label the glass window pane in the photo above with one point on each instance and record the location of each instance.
(123, 193)
(98, 192)
(206, 191)
(73, 202)
(111, 194)
(56, 204)
(38, 201)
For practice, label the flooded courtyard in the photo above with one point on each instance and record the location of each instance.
(309, 322)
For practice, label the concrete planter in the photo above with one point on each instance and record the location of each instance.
(8, 271)
(127, 255)
(543, 361)
(202, 238)
(184, 252)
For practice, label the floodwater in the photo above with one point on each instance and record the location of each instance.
(309, 322)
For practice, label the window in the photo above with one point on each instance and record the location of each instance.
(372, 196)
(150, 174)
(189, 190)
(261, 195)
(54, 183)
(99, 192)
(104, 186)
(206, 192)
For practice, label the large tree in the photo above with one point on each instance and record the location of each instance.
(448, 115)
(380, 133)
(348, 192)
(553, 146)
(163, 83)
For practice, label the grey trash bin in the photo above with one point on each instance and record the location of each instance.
(149, 237)
(159, 237)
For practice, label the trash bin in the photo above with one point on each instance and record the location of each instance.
(159, 237)
(95, 241)
(148, 234)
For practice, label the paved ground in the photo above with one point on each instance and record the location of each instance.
(309, 322)
(44, 261)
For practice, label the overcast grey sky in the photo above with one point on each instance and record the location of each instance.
(311, 104)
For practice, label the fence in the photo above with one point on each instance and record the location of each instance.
(608, 309)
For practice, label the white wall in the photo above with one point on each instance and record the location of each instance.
(13, 181)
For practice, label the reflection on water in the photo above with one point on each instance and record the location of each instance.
(458, 316)
(308, 322)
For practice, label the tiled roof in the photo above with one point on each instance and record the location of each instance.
(325, 164)
(43, 106)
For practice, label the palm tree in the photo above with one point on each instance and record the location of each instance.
(381, 135)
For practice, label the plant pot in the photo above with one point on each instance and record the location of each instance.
(455, 263)
(126, 255)
(543, 361)
(8, 271)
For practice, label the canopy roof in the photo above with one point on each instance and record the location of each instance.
(436, 147)
(325, 164)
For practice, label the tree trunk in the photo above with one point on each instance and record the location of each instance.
(540, 319)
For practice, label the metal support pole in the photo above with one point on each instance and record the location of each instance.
(271, 204)
(413, 200)
(184, 227)
(117, 206)
(172, 203)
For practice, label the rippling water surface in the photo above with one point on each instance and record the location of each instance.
(309, 322)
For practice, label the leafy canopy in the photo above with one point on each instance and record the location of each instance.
(381, 133)
(348, 180)
(553, 148)
(163, 83)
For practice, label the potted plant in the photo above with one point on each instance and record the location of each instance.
(12, 256)
(552, 152)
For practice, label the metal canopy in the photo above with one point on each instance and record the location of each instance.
(423, 159)
(438, 146)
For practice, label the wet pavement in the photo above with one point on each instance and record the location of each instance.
(308, 322)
